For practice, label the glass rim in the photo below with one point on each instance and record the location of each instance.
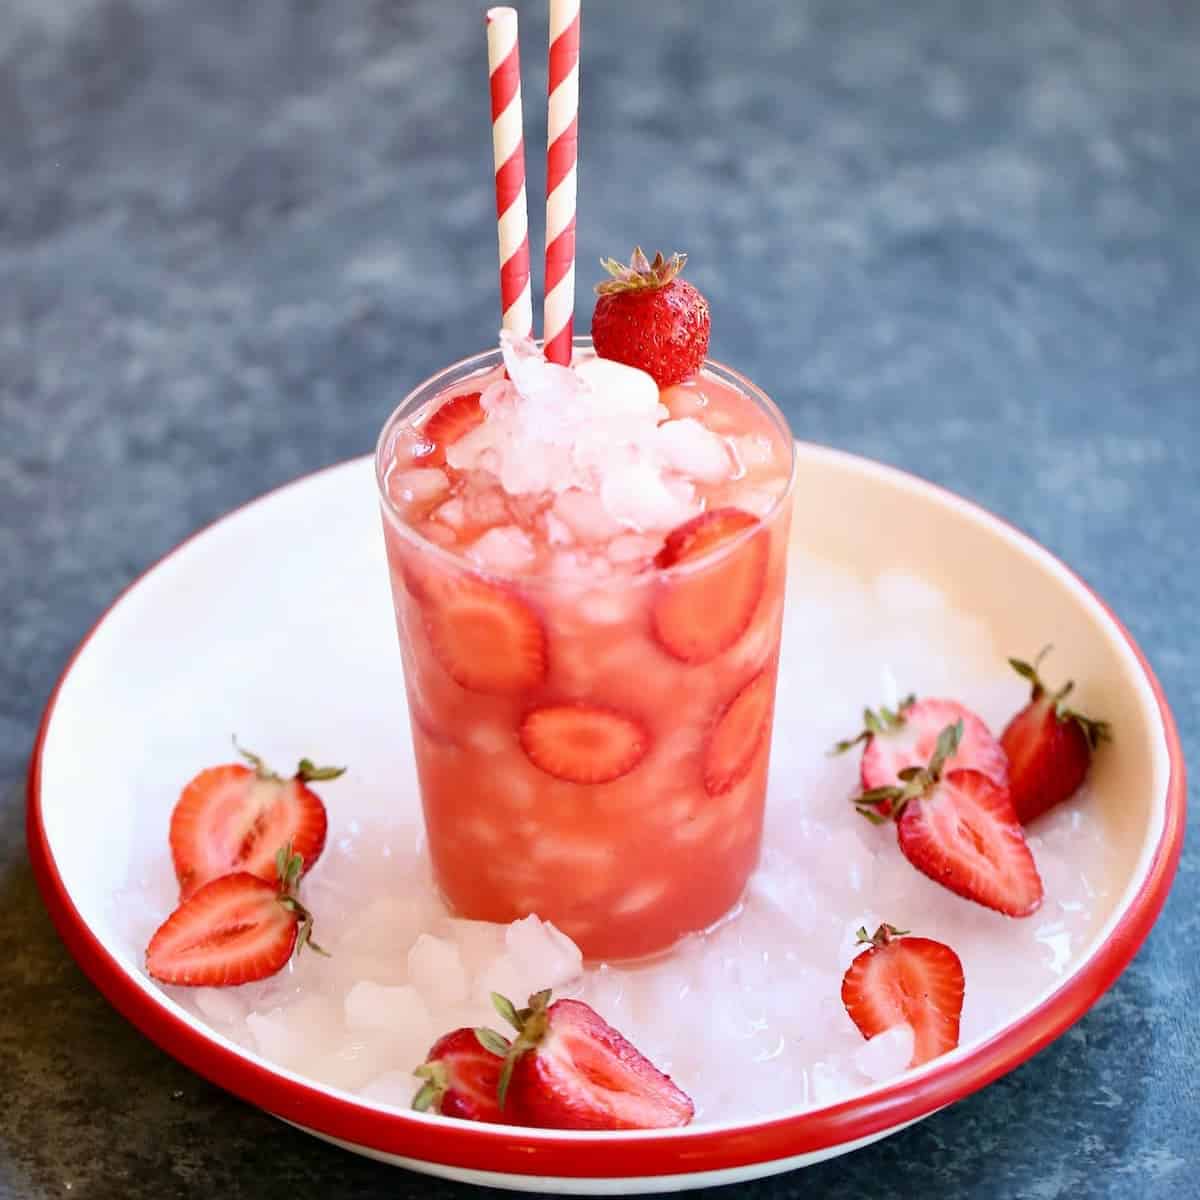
(463, 369)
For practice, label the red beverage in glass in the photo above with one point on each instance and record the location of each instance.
(590, 669)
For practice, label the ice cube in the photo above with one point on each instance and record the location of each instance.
(886, 1054)
(220, 1004)
(370, 1005)
(436, 969)
(623, 391)
(753, 452)
(288, 1034)
(637, 496)
(691, 449)
(395, 1089)
(586, 516)
(558, 532)
(543, 952)
(505, 548)
(684, 399)
(452, 513)
(420, 484)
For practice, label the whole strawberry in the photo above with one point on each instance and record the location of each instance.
(649, 318)
(1049, 746)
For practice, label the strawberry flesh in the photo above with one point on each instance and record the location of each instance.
(907, 980)
(234, 930)
(580, 1073)
(699, 614)
(738, 733)
(583, 743)
(485, 635)
(462, 1079)
(232, 818)
(964, 834)
(453, 420)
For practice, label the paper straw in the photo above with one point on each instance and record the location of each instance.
(562, 140)
(508, 150)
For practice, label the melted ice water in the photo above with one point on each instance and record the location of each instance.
(748, 1018)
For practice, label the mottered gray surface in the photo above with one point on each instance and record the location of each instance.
(961, 238)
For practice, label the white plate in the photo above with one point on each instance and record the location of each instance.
(278, 620)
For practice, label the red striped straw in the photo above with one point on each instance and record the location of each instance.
(508, 150)
(562, 139)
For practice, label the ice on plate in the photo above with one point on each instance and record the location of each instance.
(748, 1018)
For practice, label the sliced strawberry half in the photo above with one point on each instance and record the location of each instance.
(461, 1076)
(893, 740)
(701, 613)
(235, 817)
(453, 420)
(583, 743)
(569, 1069)
(960, 829)
(485, 635)
(902, 980)
(1049, 745)
(234, 930)
(738, 733)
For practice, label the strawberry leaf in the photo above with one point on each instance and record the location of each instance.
(492, 1042)
(306, 771)
(507, 1010)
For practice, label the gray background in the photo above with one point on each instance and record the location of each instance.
(956, 236)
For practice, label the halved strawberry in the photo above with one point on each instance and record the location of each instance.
(234, 818)
(901, 980)
(486, 636)
(1049, 746)
(739, 731)
(569, 1069)
(234, 930)
(960, 829)
(907, 737)
(454, 419)
(583, 743)
(462, 1076)
(701, 612)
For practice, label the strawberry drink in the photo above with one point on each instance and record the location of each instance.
(588, 574)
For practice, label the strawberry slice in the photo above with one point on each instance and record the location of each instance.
(234, 930)
(1049, 746)
(235, 817)
(907, 737)
(700, 613)
(485, 635)
(901, 980)
(583, 743)
(960, 829)
(739, 731)
(569, 1069)
(462, 1076)
(454, 419)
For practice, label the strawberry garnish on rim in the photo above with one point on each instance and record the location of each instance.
(461, 1075)
(960, 829)
(234, 930)
(906, 736)
(903, 980)
(234, 818)
(649, 318)
(583, 743)
(453, 420)
(701, 613)
(1049, 745)
(569, 1069)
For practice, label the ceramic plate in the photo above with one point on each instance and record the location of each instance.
(277, 619)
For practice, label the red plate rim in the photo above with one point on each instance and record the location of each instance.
(509, 1150)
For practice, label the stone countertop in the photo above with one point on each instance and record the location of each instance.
(962, 238)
